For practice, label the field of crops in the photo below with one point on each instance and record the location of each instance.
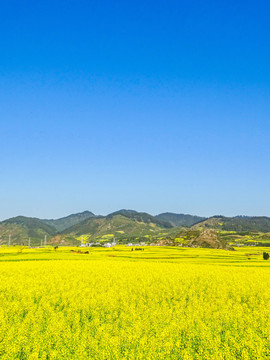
(160, 303)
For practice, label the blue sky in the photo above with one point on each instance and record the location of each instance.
(149, 105)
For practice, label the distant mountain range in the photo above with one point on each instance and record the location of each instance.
(122, 224)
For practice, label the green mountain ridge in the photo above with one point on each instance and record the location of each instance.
(237, 223)
(180, 219)
(129, 225)
(141, 217)
(63, 223)
(21, 228)
(122, 224)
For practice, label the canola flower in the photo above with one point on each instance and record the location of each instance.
(116, 308)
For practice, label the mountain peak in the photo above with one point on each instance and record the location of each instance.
(65, 222)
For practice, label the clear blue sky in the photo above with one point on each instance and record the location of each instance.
(148, 105)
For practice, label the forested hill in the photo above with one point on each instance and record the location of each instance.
(237, 223)
(68, 221)
(122, 224)
(141, 217)
(20, 228)
(128, 222)
(179, 219)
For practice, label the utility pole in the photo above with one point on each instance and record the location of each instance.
(45, 240)
(29, 240)
(9, 239)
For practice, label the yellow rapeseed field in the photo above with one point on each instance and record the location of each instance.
(160, 303)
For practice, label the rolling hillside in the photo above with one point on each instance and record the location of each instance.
(179, 219)
(68, 221)
(206, 238)
(132, 226)
(141, 217)
(121, 224)
(237, 223)
(20, 228)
